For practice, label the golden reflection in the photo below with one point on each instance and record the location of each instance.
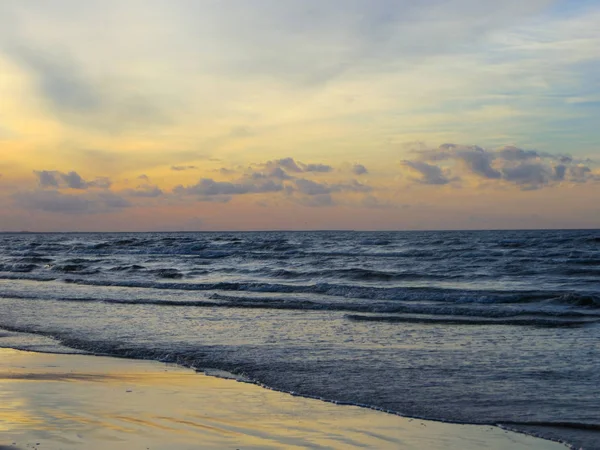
(14, 413)
(72, 402)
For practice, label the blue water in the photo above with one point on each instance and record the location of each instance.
(494, 327)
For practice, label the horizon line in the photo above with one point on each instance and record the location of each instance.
(333, 230)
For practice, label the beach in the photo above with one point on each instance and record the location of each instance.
(50, 401)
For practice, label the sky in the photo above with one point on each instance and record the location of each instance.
(185, 115)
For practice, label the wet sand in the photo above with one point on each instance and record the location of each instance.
(76, 401)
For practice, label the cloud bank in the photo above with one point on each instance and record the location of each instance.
(527, 169)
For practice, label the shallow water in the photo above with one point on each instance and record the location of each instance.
(477, 327)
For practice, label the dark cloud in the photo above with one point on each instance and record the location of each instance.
(359, 169)
(529, 175)
(215, 198)
(71, 180)
(279, 173)
(560, 172)
(580, 173)
(309, 187)
(100, 183)
(274, 172)
(290, 165)
(112, 200)
(354, 186)
(145, 191)
(207, 187)
(511, 153)
(46, 178)
(429, 174)
(479, 161)
(57, 202)
(528, 169)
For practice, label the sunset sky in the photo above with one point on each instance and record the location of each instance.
(299, 114)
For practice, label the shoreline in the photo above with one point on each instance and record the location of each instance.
(50, 400)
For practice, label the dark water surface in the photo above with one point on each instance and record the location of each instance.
(478, 327)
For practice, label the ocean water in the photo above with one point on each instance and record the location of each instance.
(491, 327)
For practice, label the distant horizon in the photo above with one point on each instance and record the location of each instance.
(425, 230)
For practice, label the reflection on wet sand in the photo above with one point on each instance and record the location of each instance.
(63, 401)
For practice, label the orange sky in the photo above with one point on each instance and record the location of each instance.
(181, 115)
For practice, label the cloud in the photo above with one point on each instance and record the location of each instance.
(80, 96)
(479, 162)
(309, 187)
(60, 80)
(316, 168)
(70, 180)
(111, 200)
(581, 173)
(287, 164)
(359, 169)
(529, 175)
(428, 174)
(57, 202)
(279, 169)
(273, 172)
(528, 169)
(511, 153)
(183, 168)
(47, 178)
(290, 165)
(208, 187)
(145, 191)
(314, 194)
(73, 180)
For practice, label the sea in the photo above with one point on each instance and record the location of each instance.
(479, 327)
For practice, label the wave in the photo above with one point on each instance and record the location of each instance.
(470, 314)
(585, 300)
(18, 267)
(337, 290)
(35, 260)
(558, 424)
(448, 320)
(25, 276)
(167, 273)
(355, 273)
(127, 268)
(375, 242)
(81, 269)
(372, 293)
(203, 362)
